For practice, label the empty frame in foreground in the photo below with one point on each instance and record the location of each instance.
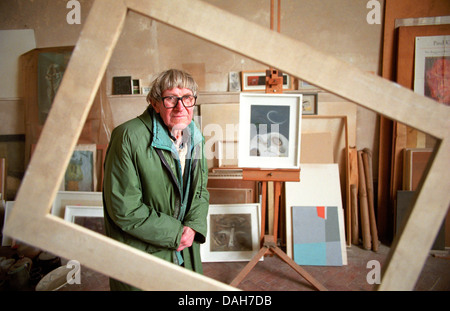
(31, 222)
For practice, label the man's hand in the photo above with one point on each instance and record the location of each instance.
(186, 238)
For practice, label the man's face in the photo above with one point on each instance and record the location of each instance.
(179, 117)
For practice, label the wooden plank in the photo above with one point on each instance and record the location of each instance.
(420, 230)
(367, 161)
(91, 55)
(3, 175)
(270, 175)
(363, 205)
(316, 148)
(355, 214)
(230, 195)
(270, 207)
(414, 164)
(276, 210)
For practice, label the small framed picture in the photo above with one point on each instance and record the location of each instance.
(234, 84)
(81, 173)
(90, 217)
(310, 104)
(122, 85)
(136, 86)
(303, 85)
(269, 131)
(256, 81)
(145, 90)
(234, 232)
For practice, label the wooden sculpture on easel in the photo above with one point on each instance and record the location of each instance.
(274, 81)
(274, 77)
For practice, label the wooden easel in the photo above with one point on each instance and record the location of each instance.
(274, 84)
(268, 242)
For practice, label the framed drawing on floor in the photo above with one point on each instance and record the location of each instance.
(233, 232)
(90, 217)
(269, 130)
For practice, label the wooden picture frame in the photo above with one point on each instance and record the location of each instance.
(90, 217)
(254, 81)
(73, 211)
(233, 232)
(81, 172)
(269, 130)
(31, 222)
(310, 104)
(79, 198)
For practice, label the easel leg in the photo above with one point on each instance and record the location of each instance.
(270, 246)
(268, 242)
(298, 269)
(238, 279)
(263, 210)
(277, 197)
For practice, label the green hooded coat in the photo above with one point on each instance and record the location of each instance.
(146, 199)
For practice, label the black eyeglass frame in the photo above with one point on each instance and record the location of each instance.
(178, 100)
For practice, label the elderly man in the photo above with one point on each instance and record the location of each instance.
(154, 190)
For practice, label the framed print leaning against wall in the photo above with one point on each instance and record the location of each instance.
(269, 130)
(233, 232)
(90, 217)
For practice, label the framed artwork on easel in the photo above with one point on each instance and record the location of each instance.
(269, 130)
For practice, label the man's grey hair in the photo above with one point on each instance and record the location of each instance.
(169, 79)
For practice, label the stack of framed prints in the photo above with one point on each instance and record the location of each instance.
(315, 218)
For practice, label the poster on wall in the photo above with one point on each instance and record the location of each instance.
(432, 68)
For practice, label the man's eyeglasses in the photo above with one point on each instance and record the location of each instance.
(172, 101)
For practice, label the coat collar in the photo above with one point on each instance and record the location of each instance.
(161, 136)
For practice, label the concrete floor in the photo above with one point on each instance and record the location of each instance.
(272, 274)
